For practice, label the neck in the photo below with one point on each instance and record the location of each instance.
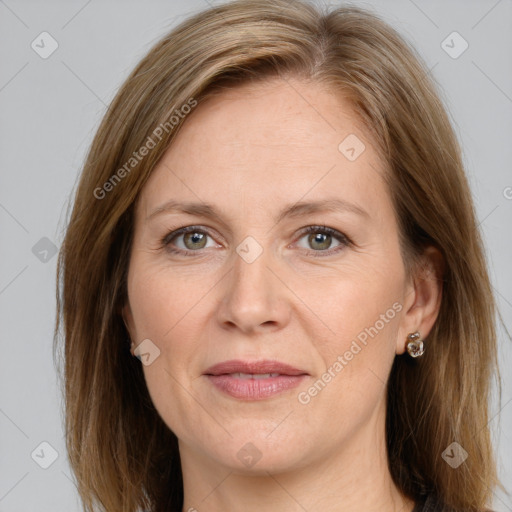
(356, 477)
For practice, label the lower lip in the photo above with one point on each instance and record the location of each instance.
(255, 389)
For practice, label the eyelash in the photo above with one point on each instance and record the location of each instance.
(343, 239)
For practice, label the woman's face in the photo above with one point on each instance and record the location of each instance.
(290, 273)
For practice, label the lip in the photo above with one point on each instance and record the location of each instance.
(256, 367)
(275, 378)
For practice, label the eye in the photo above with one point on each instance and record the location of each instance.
(323, 239)
(186, 240)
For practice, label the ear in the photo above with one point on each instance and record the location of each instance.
(422, 299)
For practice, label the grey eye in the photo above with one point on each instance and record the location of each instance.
(318, 240)
(194, 240)
(189, 240)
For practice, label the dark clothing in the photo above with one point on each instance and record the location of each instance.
(430, 505)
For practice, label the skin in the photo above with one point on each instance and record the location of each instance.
(251, 152)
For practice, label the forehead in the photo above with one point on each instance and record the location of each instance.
(268, 142)
(278, 117)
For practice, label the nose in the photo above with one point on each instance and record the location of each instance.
(253, 298)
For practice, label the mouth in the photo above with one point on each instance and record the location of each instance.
(256, 380)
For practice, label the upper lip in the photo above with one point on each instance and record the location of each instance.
(253, 367)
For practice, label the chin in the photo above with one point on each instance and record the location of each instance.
(256, 453)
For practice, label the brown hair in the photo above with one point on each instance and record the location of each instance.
(123, 455)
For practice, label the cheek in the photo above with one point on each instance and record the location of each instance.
(364, 314)
(362, 308)
(161, 299)
(354, 300)
(170, 310)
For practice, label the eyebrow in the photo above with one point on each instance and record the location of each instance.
(294, 210)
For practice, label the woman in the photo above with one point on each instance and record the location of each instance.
(274, 219)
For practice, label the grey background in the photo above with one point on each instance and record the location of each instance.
(50, 109)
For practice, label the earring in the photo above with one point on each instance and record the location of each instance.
(415, 346)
